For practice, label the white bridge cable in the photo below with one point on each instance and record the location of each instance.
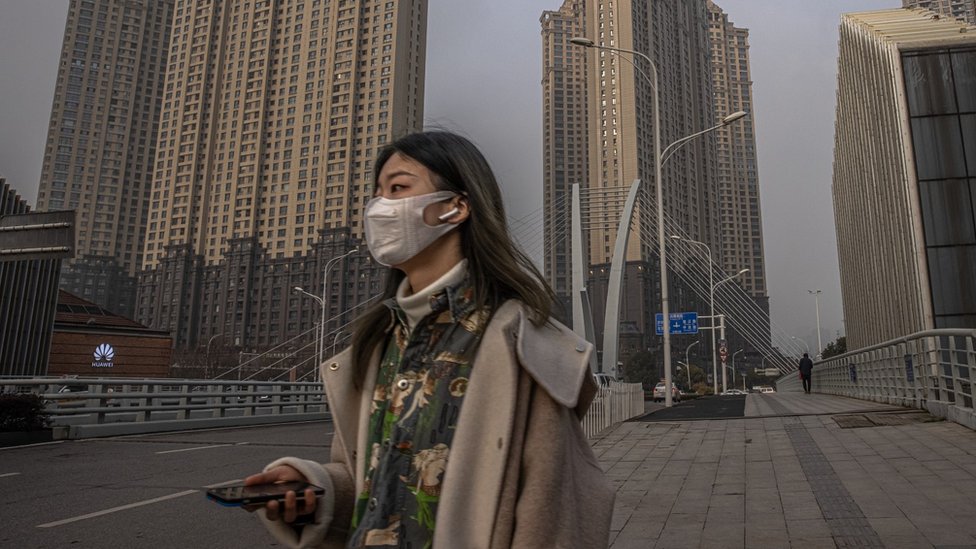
(746, 330)
(752, 329)
(535, 240)
(289, 341)
(340, 330)
(749, 317)
(312, 342)
(751, 324)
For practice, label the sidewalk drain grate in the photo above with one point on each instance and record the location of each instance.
(857, 421)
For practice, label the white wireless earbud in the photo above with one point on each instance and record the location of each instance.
(448, 215)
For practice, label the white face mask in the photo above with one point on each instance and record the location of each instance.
(395, 228)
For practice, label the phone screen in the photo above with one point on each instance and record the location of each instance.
(259, 493)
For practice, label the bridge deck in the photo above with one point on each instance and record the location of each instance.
(792, 470)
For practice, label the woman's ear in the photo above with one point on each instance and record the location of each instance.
(464, 210)
(458, 213)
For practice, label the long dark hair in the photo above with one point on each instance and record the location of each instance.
(498, 269)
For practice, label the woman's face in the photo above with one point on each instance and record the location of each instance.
(402, 177)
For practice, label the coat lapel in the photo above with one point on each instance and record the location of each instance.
(350, 408)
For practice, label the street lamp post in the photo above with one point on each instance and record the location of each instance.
(688, 361)
(803, 341)
(816, 296)
(206, 371)
(325, 302)
(717, 284)
(318, 338)
(711, 307)
(733, 370)
(659, 191)
(335, 341)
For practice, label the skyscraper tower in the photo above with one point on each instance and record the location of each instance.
(565, 138)
(101, 140)
(741, 234)
(273, 112)
(618, 129)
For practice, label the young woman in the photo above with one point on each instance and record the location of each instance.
(457, 408)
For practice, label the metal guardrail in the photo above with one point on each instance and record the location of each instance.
(91, 407)
(932, 370)
(613, 404)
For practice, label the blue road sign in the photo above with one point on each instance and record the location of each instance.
(681, 323)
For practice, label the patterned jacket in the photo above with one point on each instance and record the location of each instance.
(522, 473)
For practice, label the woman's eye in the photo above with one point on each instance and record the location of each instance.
(396, 188)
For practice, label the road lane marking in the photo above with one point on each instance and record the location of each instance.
(194, 448)
(225, 483)
(32, 445)
(8, 474)
(200, 448)
(116, 509)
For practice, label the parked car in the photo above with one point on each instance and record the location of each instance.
(659, 392)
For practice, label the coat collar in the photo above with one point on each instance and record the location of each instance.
(555, 356)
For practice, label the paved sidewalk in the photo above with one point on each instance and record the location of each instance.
(788, 475)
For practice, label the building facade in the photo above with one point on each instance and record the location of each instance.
(741, 232)
(905, 174)
(960, 9)
(90, 341)
(101, 140)
(32, 248)
(272, 114)
(565, 140)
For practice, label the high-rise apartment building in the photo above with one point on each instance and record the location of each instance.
(905, 174)
(616, 121)
(960, 9)
(741, 233)
(565, 139)
(101, 140)
(272, 113)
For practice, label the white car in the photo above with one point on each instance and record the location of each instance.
(659, 392)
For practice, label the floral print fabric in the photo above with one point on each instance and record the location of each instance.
(420, 387)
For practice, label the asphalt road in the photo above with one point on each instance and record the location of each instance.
(710, 407)
(143, 491)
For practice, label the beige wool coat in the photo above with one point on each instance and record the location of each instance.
(521, 472)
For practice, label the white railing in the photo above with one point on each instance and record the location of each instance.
(932, 370)
(613, 404)
(87, 407)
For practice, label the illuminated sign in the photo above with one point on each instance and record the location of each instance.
(104, 354)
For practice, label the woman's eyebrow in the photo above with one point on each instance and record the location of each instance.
(399, 173)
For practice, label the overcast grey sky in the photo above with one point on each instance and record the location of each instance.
(483, 79)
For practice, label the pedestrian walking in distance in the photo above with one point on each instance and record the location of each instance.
(806, 370)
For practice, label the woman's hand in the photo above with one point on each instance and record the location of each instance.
(291, 509)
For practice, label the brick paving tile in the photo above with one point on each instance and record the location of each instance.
(756, 482)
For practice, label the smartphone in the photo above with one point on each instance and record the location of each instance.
(238, 494)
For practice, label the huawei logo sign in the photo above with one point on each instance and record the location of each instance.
(103, 354)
